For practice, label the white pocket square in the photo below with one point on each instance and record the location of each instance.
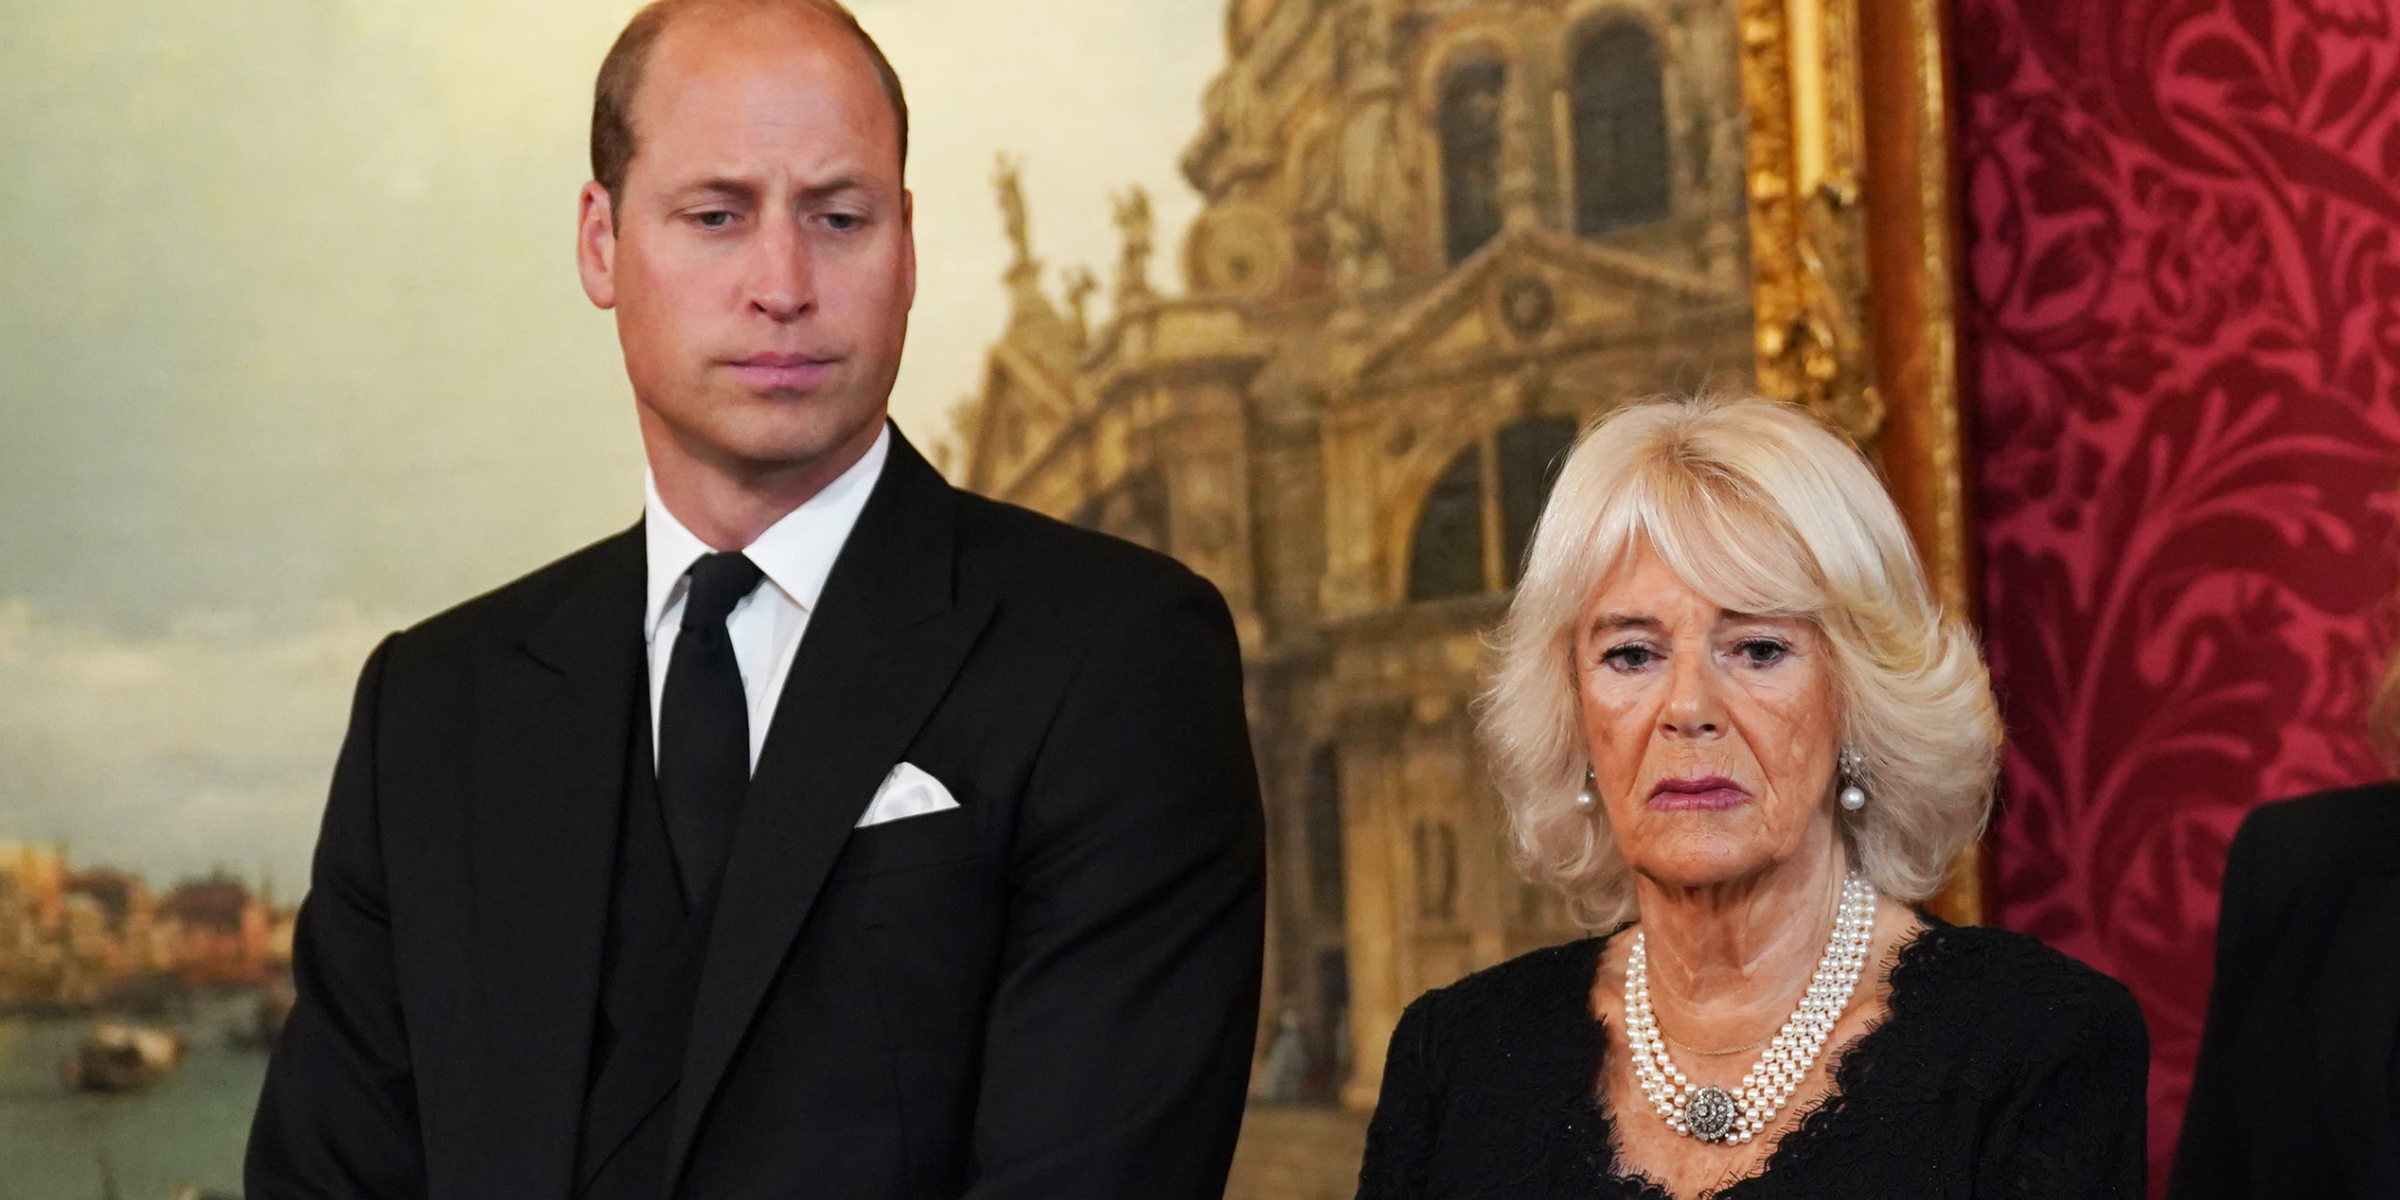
(907, 792)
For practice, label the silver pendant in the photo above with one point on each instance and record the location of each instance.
(1710, 1112)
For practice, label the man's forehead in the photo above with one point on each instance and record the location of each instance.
(761, 62)
(752, 22)
(764, 79)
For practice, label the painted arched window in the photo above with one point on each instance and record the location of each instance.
(1437, 871)
(1531, 452)
(1468, 510)
(1135, 509)
(1470, 129)
(1445, 558)
(1619, 104)
(1322, 824)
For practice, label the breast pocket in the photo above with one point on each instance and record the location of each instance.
(913, 844)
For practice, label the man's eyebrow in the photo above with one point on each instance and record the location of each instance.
(730, 188)
(721, 186)
(831, 188)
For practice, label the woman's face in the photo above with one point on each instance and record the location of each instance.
(1713, 734)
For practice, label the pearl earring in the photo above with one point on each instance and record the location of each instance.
(1853, 797)
(1589, 797)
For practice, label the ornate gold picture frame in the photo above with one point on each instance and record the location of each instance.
(1853, 247)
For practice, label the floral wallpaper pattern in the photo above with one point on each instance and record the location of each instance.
(2182, 323)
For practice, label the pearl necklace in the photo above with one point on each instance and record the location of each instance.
(1713, 1114)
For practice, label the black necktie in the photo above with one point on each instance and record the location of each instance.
(704, 726)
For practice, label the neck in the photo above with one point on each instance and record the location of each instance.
(1729, 960)
(726, 501)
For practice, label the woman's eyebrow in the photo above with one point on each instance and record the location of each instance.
(1613, 621)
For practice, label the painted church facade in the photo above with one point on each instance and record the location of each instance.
(1439, 237)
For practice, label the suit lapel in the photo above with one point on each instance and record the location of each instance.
(879, 653)
(549, 772)
(2359, 1017)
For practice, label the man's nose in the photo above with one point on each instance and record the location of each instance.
(782, 282)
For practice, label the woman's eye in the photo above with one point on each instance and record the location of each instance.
(1760, 652)
(1629, 658)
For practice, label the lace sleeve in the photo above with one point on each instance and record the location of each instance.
(1400, 1136)
(2075, 1129)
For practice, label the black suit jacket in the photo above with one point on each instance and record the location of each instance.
(2293, 1095)
(1048, 992)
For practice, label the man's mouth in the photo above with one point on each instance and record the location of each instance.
(783, 372)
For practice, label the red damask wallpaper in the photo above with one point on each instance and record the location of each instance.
(2183, 330)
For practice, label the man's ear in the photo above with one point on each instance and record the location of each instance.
(596, 245)
(908, 244)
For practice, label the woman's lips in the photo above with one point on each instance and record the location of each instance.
(1709, 793)
(782, 372)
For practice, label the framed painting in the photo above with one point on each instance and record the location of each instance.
(1854, 244)
(1435, 238)
(1308, 293)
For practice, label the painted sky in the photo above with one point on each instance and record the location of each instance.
(292, 351)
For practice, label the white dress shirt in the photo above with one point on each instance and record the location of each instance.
(795, 554)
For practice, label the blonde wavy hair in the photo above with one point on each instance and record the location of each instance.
(1763, 509)
(2383, 713)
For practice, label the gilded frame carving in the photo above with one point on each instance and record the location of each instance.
(1853, 262)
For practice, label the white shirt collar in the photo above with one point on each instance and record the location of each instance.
(795, 553)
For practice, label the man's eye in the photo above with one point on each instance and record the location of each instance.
(842, 222)
(1760, 652)
(713, 220)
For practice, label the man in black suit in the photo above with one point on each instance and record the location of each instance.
(2297, 1091)
(831, 833)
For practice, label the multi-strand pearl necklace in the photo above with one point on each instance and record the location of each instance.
(1713, 1114)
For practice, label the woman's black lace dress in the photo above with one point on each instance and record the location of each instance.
(2004, 1069)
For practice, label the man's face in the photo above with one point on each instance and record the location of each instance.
(761, 262)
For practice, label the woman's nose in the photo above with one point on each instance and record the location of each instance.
(1692, 709)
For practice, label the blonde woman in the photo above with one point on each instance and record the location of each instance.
(1734, 730)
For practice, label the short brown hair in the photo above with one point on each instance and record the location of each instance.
(621, 74)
